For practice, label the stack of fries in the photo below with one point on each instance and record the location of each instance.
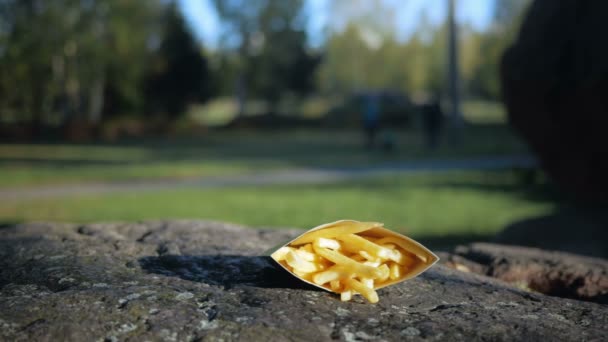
(351, 257)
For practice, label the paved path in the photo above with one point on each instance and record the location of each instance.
(292, 176)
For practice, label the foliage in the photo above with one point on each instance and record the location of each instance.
(179, 71)
(272, 59)
(60, 58)
(483, 78)
(363, 51)
(361, 58)
(80, 60)
(84, 61)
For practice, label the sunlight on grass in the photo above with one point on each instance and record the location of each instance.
(74, 153)
(216, 112)
(484, 112)
(16, 176)
(422, 205)
(219, 153)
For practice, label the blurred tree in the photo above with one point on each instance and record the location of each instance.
(179, 73)
(239, 23)
(280, 63)
(454, 83)
(61, 58)
(265, 41)
(27, 74)
(132, 39)
(366, 55)
(363, 50)
(361, 39)
(483, 78)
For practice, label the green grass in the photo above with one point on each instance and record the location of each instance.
(484, 112)
(233, 152)
(448, 203)
(236, 152)
(220, 111)
(456, 205)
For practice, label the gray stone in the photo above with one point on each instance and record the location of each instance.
(553, 273)
(215, 285)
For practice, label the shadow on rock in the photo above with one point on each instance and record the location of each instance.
(224, 270)
(578, 230)
(450, 241)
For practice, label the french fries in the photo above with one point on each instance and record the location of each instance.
(351, 257)
(346, 227)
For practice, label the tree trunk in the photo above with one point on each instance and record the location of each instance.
(96, 99)
(453, 72)
(241, 94)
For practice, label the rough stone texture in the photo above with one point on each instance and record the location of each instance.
(555, 81)
(553, 273)
(192, 280)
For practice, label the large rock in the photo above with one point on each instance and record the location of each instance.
(555, 81)
(554, 273)
(184, 280)
(575, 230)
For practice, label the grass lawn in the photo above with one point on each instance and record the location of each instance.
(448, 206)
(438, 204)
(232, 152)
(484, 112)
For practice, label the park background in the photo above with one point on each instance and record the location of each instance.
(251, 112)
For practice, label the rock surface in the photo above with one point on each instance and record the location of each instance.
(553, 273)
(202, 281)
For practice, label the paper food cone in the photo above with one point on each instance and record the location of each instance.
(422, 257)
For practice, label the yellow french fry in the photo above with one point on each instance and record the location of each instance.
(369, 238)
(333, 273)
(346, 295)
(335, 285)
(369, 257)
(300, 273)
(343, 227)
(304, 275)
(299, 264)
(415, 250)
(350, 264)
(369, 293)
(367, 282)
(307, 248)
(402, 258)
(281, 253)
(372, 263)
(357, 243)
(329, 243)
(395, 271)
(386, 272)
(308, 256)
(358, 257)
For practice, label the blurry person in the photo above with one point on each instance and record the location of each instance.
(371, 118)
(388, 141)
(432, 121)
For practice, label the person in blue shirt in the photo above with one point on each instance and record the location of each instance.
(371, 118)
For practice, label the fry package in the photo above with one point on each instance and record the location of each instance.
(349, 257)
